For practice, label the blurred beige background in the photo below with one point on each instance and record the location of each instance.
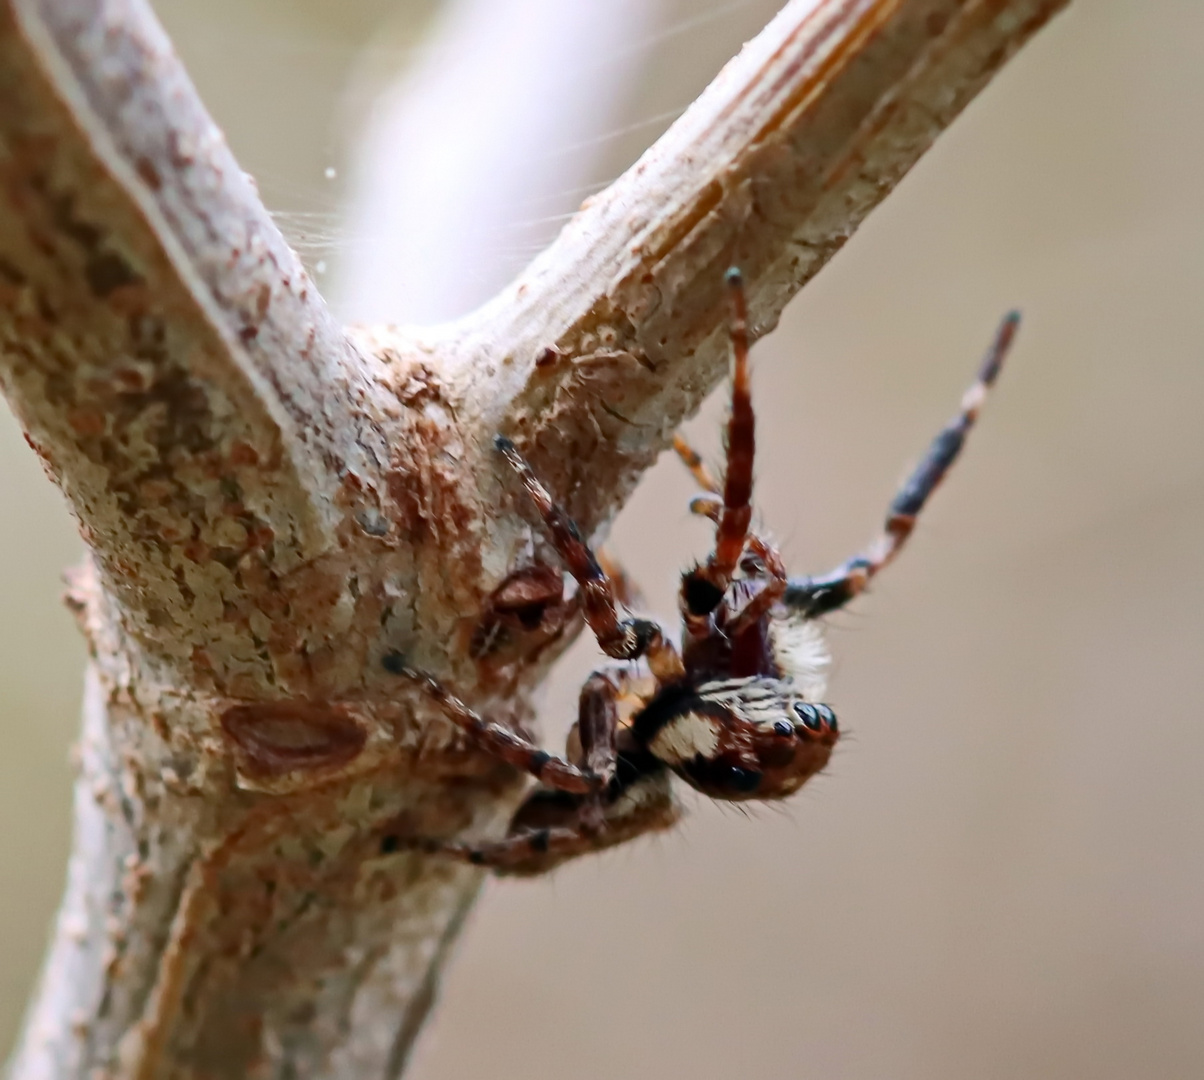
(1002, 875)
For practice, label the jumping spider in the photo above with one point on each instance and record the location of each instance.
(736, 713)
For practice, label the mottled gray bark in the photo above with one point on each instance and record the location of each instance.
(271, 502)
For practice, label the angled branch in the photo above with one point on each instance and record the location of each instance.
(272, 505)
(169, 358)
(615, 333)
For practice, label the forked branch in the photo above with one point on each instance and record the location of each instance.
(273, 505)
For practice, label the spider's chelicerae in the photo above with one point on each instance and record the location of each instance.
(735, 712)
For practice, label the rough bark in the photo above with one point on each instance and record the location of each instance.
(272, 503)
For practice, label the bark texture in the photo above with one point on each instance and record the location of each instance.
(272, 502)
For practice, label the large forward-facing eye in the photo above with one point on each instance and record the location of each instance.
(808, 715)
(815, 717)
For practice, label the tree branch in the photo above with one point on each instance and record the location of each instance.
(176, 366)
(772, 168)
(271, 505)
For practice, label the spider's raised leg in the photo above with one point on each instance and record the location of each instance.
(814, 596)
(501, 741)
(703, 588)
(736, 514)
(621, 638)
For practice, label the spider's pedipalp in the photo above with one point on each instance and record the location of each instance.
(598, 723)
(707, 506)
(814, 596)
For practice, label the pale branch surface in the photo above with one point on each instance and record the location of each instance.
(616, 332)
(272, 504)
(170, 360)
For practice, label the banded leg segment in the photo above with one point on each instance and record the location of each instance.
(755, 604)
(644, 807)
(736, 513)
(814, 596)
(627, 592)
(618, 637)
(710, 503)
(703, 588)
(530, 851)
(500, 741)
(692, 460)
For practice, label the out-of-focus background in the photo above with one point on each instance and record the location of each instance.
(1002, 874)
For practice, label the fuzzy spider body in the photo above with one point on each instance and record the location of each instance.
(736, 713)
(736, 739)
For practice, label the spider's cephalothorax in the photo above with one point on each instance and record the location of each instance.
(735, 712)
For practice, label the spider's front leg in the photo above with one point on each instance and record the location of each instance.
(551, 828)
(500, 741)
(811, 597)
(735, 513)
(621, 638)
(704, 587)
(558, 823)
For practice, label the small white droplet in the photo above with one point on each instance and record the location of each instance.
(320, 266)
(330, 172)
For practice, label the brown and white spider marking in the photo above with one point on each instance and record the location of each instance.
(736, 711)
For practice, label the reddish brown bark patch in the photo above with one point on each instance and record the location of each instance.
(528, 605)
(279, 737)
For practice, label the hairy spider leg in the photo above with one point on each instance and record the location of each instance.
(623, 639)
(736, 514)
(710, 505)
(645, 806)
(703, 588)
(500, 741)
(814, 596)
(528, 846)
(692, 460)
(627, 592)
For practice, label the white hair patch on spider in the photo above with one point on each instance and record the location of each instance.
(801, 651)
(685, 737)
(650, 791)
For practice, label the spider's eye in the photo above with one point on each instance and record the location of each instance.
(783, 728)
(809, 715)
(828, 715)
(743, 779)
